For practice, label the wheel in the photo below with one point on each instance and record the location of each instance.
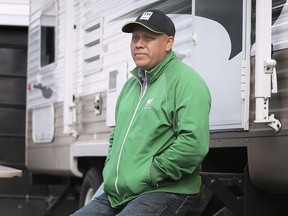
(90, 184)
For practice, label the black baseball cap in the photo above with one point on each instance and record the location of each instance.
(153, 20)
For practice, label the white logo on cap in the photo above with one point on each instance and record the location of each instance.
(146, 15)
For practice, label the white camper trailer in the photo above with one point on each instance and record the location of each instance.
(79, 59)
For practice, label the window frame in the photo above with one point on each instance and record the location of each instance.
(52, 64)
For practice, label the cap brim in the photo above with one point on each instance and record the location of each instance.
(128, 28)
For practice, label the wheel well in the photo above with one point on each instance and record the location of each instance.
(226, 160)
(85, 163)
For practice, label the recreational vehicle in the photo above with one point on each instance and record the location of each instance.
(78, 61)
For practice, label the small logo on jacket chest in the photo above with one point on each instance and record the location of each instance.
(148, 104)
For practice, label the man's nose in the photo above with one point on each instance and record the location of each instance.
(140, 43)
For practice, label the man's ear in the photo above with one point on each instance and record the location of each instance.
(170, 42)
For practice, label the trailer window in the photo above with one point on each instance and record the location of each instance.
(47, 36)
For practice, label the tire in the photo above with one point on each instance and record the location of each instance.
(90, 184)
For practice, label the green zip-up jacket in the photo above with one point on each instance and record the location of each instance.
(161, 134)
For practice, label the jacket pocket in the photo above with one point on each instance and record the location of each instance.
(135, 180)
(149, 179)
(109, 176)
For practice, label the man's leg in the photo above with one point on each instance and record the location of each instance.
(98, 206)
(160, 204)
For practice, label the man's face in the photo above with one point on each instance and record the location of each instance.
(148, 49)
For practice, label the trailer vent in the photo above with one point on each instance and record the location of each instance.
(93, 46)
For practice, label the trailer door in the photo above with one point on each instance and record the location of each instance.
(219, 55)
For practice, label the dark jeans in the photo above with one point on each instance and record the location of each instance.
(152, 204)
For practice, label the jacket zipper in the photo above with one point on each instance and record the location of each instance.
(127, 131)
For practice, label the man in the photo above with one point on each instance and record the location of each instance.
(162, 129)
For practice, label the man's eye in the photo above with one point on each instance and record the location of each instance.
(148, 38)
(134, 38)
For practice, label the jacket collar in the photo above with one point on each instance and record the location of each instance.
(155, 72)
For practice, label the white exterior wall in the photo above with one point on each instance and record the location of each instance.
(14, 12)
(50, 75)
